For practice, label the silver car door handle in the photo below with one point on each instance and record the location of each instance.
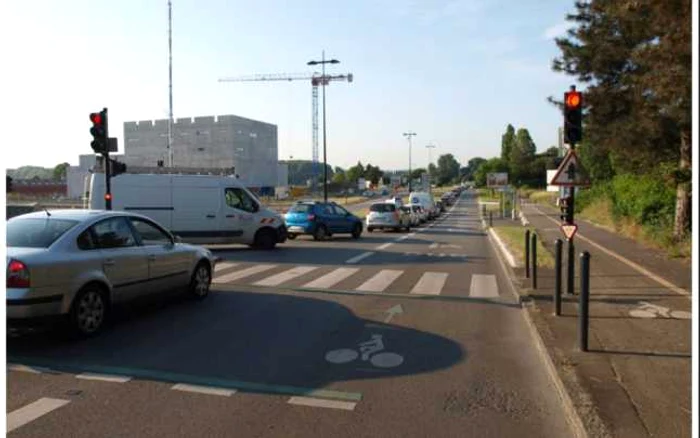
(211, 216)
(108, 262)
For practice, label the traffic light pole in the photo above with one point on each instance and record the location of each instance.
(105, 161)
(570, 265)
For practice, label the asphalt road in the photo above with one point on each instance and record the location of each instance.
(394, 334)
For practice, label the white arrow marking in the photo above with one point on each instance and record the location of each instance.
(397, 309)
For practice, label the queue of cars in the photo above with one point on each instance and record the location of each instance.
(75, 265)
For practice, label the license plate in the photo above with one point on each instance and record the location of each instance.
(295, 229)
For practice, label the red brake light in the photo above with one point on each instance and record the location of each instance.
(17, 275)
(311, 217)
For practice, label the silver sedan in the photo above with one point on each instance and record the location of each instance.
(75, 264)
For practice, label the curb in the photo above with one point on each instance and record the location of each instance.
(572, 415)
(509, 257)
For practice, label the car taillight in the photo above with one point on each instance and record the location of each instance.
(311, 217)
(17, 275)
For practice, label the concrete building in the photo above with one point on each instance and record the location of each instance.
(247, 146)
(226, 141)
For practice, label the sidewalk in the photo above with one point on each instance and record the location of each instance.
(636, 379)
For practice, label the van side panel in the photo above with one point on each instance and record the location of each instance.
(149, 195)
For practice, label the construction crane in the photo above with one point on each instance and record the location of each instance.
(316, 80)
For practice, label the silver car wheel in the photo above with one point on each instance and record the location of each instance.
(90, 311)
(202, 281)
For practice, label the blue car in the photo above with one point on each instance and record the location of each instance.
(321, 220)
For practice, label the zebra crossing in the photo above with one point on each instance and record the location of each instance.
(369, 279)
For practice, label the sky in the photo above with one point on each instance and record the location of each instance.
(454, 72)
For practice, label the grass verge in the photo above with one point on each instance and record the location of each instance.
(513, 238)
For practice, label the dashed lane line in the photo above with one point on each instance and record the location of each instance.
(357, 258)
(321, 403)
(32, 411)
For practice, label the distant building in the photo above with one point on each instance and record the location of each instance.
(248, 147)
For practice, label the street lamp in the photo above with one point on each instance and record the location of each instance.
(324, 80)
(430, 161)
(409, 135)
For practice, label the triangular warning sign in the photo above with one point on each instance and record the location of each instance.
(570, 172)
(569, 230)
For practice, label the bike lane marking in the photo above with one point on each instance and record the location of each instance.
(630, 263)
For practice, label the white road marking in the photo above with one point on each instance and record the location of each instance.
(103, 377)
(433, 245)
(322, 403)
(224, 265)
(332, 278)
(359, 257)
(204, 389)
(483, 286)
(380, 281)
(629, 263)
(25, 368)
(385, 246)
(430, 283)
(277, 279)
(32, 411)
(243, 273)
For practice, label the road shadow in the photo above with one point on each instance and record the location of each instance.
(264, 340)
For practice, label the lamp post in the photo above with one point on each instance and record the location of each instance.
(430, 161)
(324, 81)
(409, 135)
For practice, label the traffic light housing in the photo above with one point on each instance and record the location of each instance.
(116, 167)
(573, 117)
(99, 131)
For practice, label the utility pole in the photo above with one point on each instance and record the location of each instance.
(323, 63)
(170, 86)
(409, 135)
(430, 147)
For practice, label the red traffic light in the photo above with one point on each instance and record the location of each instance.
(108, 197)
(96, 118)
(573, 99)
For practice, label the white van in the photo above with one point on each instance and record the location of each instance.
(425, 200)
(197, 208)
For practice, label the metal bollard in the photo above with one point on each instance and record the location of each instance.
(527, 253)
(583, 302)
(557, 276)
(570, 269)
(490, 218)
(534, 261)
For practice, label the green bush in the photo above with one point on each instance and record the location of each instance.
(645, 199)
(586, 197)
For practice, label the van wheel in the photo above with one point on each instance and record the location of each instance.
(265, 239)
(89, 311)
(291, 236)
(357, 231)
(201, 281)
(320, 232)
(370, 229)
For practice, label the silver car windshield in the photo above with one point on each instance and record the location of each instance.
(36, 232)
